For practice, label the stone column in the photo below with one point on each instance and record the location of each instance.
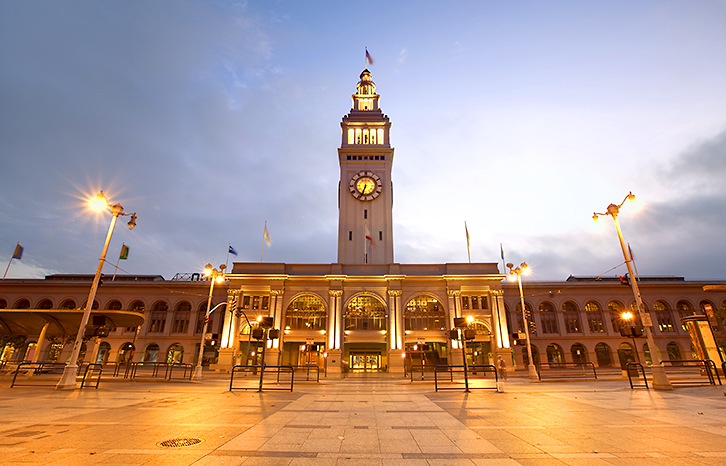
(226, 358)
(455, 356)
(395, 332)
(335, 328)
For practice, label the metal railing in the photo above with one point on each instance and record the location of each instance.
(633, 367)
(307, 368)
(421, 369)
(91, 369)
(38, 369)
(258, 382)
(137, 369)
(469, 379)
(685, 367)
(558, 370)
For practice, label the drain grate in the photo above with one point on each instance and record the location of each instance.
(179, 442)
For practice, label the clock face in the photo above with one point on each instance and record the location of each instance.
(365, 186)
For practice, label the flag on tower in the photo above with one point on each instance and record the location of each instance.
(124, 253)
(266, 237)
(18, 254)
(369, 58)
(369, 238)
(231, 250)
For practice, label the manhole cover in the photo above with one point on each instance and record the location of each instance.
(179, 442)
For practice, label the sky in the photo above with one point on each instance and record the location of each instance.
(210, 118)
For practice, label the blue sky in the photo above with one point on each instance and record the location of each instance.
(210, 118)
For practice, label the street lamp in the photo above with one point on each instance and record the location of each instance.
(660, 379)
(627, 317)
(68, 379)
(214, 276)
(518, 271)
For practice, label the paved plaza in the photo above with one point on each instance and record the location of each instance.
(373, 420)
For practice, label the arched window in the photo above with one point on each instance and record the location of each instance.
(22, 304)
(424, 313)
(616, 315)
(594, 317)
(95, 304)
(365, 312)
(114, 305)
(306, 312)
(684, 310)
(182, 314)
(3, 304)
(44, 304)
(664, 316)
(158, 318)
(67, 304)
(572, 317)
(548, 318)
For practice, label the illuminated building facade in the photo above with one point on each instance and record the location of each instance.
(364, 313)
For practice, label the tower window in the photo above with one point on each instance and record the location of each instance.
(380, 135)
(380, 236)
(350, 236)
(365, 213)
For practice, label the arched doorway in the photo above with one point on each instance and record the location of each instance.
(174, 354)
(365, 330)
(579, 353)
(151, 353)
(126, 353)
(306, 321)
(104, 349)
(604, 355)
(555, 354)
(626, 354)
(535, 356)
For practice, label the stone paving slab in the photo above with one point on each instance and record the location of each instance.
(368, 422)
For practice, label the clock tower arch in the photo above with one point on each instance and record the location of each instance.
(365, 191)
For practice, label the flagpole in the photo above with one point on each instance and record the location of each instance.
(11, 261)
(118, 261)
(226, 263)
(504, 267)
(262, 249)
(635, 267)
(468, 251)
(8, 268)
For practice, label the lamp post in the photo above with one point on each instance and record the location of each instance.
(518, 271)
(100, 202)
(214, 276)
(628, 316)
(660, 379)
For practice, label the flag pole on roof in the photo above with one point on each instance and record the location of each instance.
(468, 251)
(17, 254)
(230, 250)
(124, 255)
(265, 240)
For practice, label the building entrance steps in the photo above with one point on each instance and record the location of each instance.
(362, 420)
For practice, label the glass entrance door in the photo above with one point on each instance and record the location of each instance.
(365, 362)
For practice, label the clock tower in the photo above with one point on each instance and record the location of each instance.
(365, 191)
